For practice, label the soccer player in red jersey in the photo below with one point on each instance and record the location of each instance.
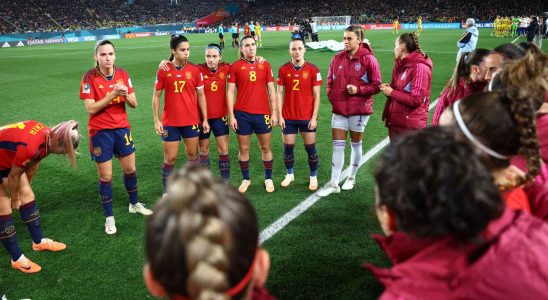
(22, 147)
(184, 101)
(299, 99)
(247, 30)
(215, 74)
(105, 90)
(255, 108)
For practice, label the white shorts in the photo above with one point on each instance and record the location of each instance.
(352, 123)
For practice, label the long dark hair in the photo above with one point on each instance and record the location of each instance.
(463, 69)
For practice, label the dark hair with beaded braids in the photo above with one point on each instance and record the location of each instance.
(202, 238)
(505, 124)
(525, 81)
(411, 41)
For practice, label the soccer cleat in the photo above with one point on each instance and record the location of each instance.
(110, 225)
(313, 183)
(50, 245)
(329, 189)
(25, 265)
(244, 185)
(349, 184)
(139, 208)
(269, 185)
(288, 179)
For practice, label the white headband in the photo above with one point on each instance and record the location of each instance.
(471, 137)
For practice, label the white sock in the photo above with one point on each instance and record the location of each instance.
(356, 156)
(338, 160)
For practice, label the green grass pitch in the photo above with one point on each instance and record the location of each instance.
(318, 256)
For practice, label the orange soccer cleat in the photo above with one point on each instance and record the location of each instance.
(25, 265)
(48, 244)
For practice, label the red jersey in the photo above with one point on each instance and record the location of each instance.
(180, 99)
(215, 89)
(22, 143)
(298, 85)
(251, 80)
(247, 30)
(95, 86)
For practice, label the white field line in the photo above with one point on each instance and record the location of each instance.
(279, 224)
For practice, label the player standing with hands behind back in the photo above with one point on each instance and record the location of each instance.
(106, 89)
(299, 85)
(255, 109)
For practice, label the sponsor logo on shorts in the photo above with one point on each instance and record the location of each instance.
(97, 151)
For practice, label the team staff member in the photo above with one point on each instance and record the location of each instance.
(106, 89)
(352, 80)
(184, 101)
(408, 95)
(255, 109)
(299, 85)
(23, 145)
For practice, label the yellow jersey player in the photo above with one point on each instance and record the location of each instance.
(395, 24)
(495, 26)
(419, 24)
(258, 33)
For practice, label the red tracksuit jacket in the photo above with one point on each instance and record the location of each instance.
(363, 71)
(407, 107)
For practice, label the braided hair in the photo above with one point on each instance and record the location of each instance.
(525, 81)
(202, 238)
(411, 41)
(506, 125)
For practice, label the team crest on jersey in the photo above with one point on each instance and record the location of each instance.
(403, 75)
(261, 67)
(206, 77)
(305, 75)
(188, 75)
(168, 75)
(120, 81)
(97, 151)
(357, 67)
(100, 86)
(222, 75)
(243, 68)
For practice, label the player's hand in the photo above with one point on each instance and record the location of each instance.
(164, 65)
(120, 89)
(15, 201)
(386, 89)
(205, 126)
(233, 123)
(159, 127)
(260, 59)
(312, 124)
(274, 120)
(351, 89)
(281, 122)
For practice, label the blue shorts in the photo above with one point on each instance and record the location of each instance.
(4, 174)
(249, 123)
(108, 142)
(296, 126)
(219, 127)
(176, 133)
